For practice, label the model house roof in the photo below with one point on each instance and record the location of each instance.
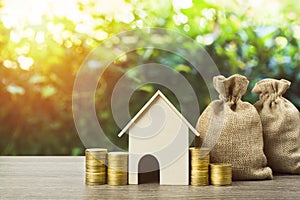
(148, 104)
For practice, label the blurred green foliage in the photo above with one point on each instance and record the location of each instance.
(39, 61)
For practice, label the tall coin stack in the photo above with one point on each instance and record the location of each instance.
(220, 174)
(199, 159)
(117, 168)
(95, 165)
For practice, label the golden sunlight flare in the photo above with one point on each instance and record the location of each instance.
(36, 27)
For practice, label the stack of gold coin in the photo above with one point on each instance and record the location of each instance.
(220, 174)
(199, 166)
(117, 168)
(95, 160)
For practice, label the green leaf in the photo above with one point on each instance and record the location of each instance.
(48, 91)
(37, 79)
(77, 151)
(146, 88)
(14, 89)
(183, 68)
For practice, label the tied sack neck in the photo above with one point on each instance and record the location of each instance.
(271, 89)
(231, 89)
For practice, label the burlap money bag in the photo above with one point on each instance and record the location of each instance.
(281, 126)
(240, 139)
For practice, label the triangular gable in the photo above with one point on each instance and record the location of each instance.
(156, 95)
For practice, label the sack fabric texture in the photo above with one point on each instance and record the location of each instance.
(233, 130)
(281, 126)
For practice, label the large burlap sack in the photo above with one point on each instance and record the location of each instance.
(240, 139)
(281, 126)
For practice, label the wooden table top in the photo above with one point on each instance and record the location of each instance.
(63, 178)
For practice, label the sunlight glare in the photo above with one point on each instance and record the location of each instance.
(32, 19)
(10, 64)
(40, 37)
(182, 4)
(25, 62)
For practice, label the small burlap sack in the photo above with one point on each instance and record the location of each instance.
(232, 128)
(281, 126)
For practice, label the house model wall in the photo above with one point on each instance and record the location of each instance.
(158, 129)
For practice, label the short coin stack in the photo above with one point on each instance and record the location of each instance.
(199, 158)
(95, 160)
(220, 174)
(117, 168)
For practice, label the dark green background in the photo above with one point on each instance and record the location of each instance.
(38, 119)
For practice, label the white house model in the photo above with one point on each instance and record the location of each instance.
(158, 129)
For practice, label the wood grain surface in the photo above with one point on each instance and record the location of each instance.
(63, 178)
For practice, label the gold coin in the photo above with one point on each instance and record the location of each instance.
(117, 180)
(95, 176)
(99, 167)
(118, 162)
(117, 157)
(221, 174)
(123, 182)
(96, 161)
(96, 179)
(116, 172)
(116, 169)
(96, 157)
(198, 150)
(116, 183)
(199, 171)
(95, 154)
(199, 166)
(95, 164)
(95, 150)
(95, 171)
(203, 183)
(99, 181)
(206, 165)
(220, 165)
(199, 175)
(199, 159)
(117, 175)
(117, 165)
(117, 153)
(94, 183)
(95, 167)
